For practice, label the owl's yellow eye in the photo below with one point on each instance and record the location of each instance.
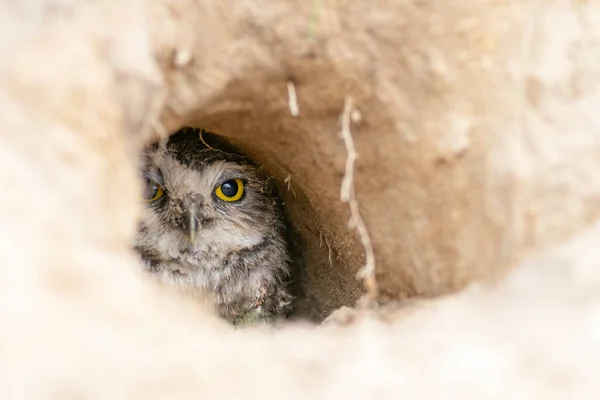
(232, 190)
(153, 191)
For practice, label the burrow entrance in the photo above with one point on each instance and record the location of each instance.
(306, 156)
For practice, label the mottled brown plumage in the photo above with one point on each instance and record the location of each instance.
(232, 252)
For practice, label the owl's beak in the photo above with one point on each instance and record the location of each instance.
(191, 223)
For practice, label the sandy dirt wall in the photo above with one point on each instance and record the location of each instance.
(477, 142)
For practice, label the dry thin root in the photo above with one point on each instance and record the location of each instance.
(201, 136)
(292, 99)
(367, 272)
(329, 253)
(321, 237)
(288, 181)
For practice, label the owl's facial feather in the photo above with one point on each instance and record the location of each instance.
(205, 232)
(193, 206)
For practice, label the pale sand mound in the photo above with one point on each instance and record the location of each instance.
(477, 139)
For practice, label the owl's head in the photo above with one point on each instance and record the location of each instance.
(200, 195)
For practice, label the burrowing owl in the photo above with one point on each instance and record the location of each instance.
(212, 223)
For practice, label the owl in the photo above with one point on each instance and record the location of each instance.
(212, 223)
